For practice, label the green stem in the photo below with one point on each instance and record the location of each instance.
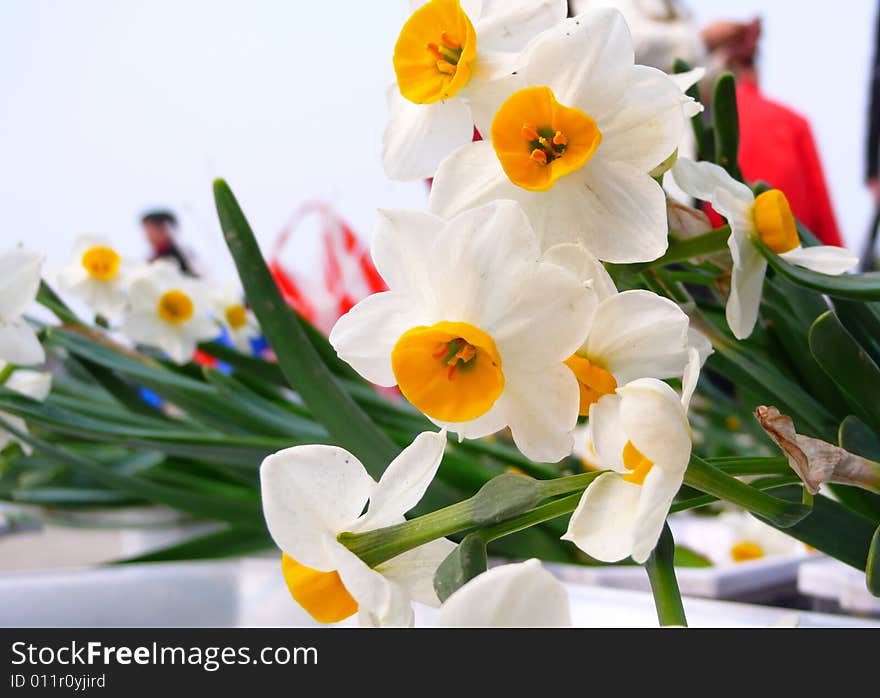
(50, 300)
(6, 372)
(706, 478)
(664, 586)
(540, 514)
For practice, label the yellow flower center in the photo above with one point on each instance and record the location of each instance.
(101, 262)
(538, 140)
(593, 381)
(175, 307)
(451, 371)
(774, 221)
(434, 51)
(322, 594)
(236, 316)
(635, 461)
(746, 550)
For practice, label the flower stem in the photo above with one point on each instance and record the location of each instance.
(664, 586)
(6, 372)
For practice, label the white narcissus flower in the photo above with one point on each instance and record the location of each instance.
(474, 328)
(33, 384)
(19, 283)
(642, 434)
(630, 335)
(450, 60)
(236, 317)
(519, 595)
(97, 275)
(768, 218)
(574, 145)
(311, 494)
(168, 310)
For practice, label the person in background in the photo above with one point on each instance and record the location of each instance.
(776, 144)
(872, 157)
(160, 228)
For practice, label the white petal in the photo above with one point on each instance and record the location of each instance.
(607, 433)
(19, 425)
(19, 281)
(404, 482)
(638, 334)
(380, 601)
(520, 595)
(692, 374)
(418, 136)
(603, 524)
(489, 89)
(625, 212)
(401, 251)
(310, 495)
(508, 25)
(493, 421)
(542, 410)
(366, 334)
(648, 124)
(702, 179)
(746, 284)
(823, 259)
(655, 422)
(685, 81)
(19, 344)
(34, 384)
(414, 571)
(658, 491)
(584, 60)
(584, 265)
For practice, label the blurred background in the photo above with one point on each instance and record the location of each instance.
(115, 108)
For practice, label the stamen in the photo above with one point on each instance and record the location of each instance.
(450, 373)
(441, 350)
(446, 67)
(449, 42)
(435, 49)
(529, 132)
(539, 156)
(559, 138)
(465, 354)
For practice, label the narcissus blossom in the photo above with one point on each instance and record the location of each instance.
(169, 311)
(33, 384)
(97, 275)
(520, 595)
(19, 284)
(642, 434)
(239, 320)
(574, 143)
(475, 326)
(311, 494)
(450, 60)
(767, 218)
(630, 335)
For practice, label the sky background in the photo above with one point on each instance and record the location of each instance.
(110, 107)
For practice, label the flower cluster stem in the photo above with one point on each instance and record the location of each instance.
(664, 586)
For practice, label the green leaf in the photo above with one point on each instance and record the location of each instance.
(465, 562)
(872, 567)
(856, 437)
(830, 528)
(862, 321)
(303, 367)
(685, 557)
(847, 364)
(864, 287)
(726, 122)
(230, 542)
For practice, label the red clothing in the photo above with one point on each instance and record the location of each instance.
(777, 146)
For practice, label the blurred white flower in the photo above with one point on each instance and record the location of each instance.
(474, 328)
(311, 494)
(20, 271)
(768, 218)
(575, 142)
(168, 311)
(450, 62)
(520, 595)
(238, 319)
(33, 384)
(97, 275)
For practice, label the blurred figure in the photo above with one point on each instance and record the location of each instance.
(872, 157)
(776, 144)
(160, 228)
